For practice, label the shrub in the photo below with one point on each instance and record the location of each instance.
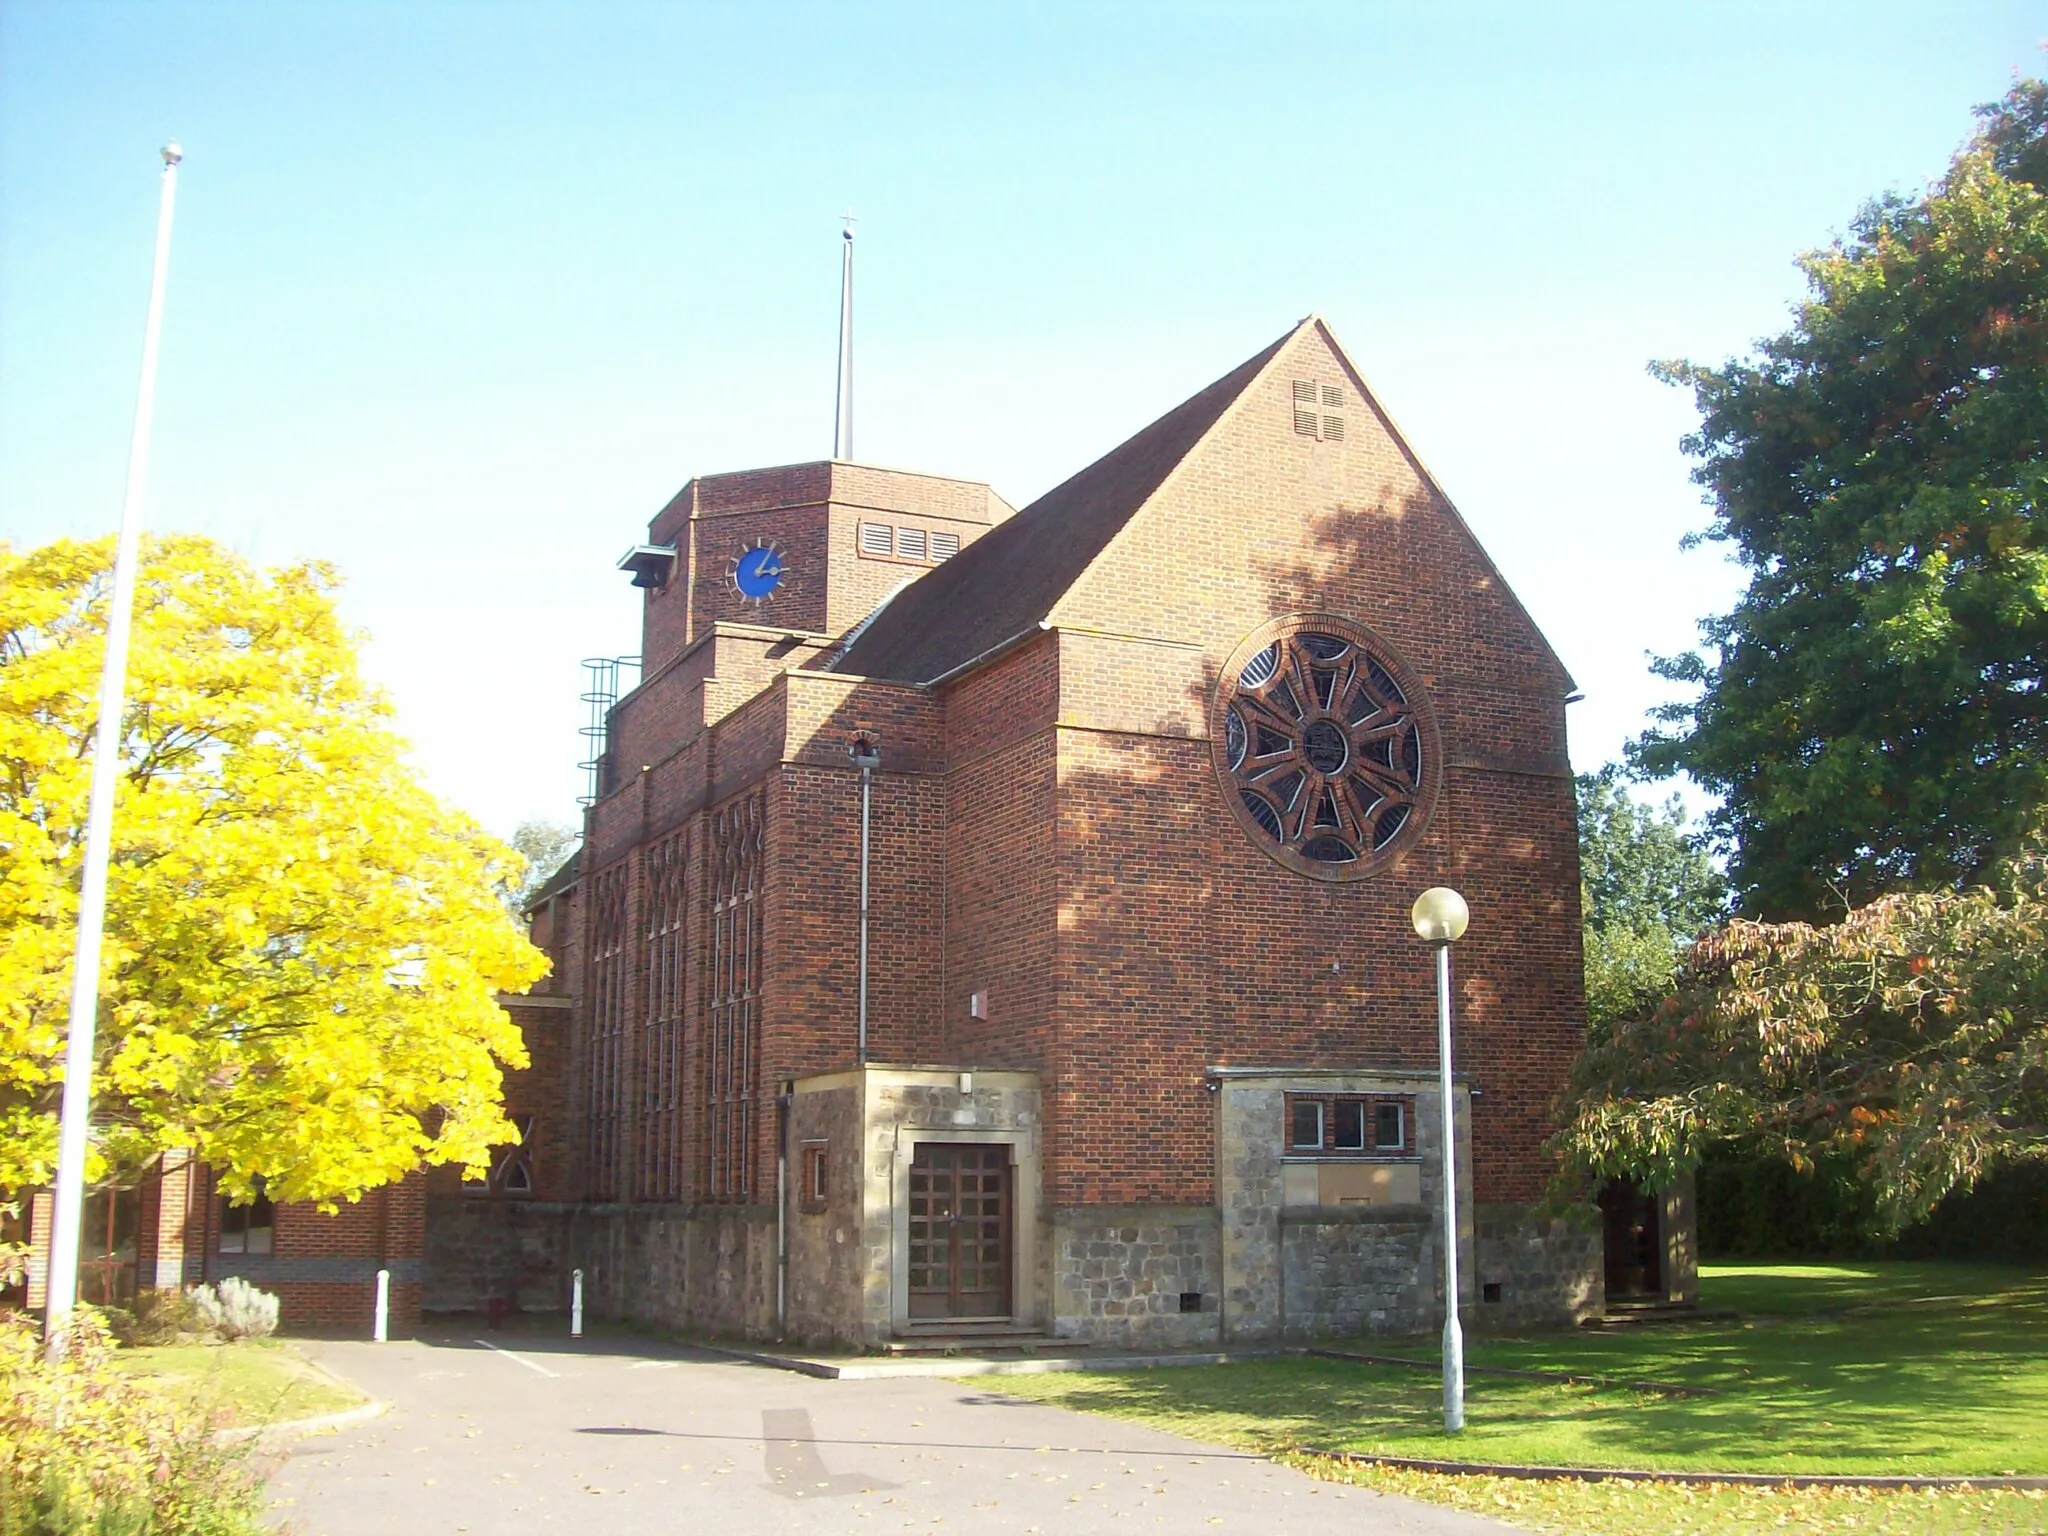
(88, 1451)
(167, 1317)
(235, 1309)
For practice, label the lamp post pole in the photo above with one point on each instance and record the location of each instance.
(867, 757)
(69, 1204)
(1440, 916)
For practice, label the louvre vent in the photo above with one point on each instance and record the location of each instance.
(884, 541)
(1326, 426)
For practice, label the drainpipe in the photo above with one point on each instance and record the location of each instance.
(867, 756)
(782, 1212)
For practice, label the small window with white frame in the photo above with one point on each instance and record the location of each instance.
(1389, 1126)
(1349, 1125)
(813, 1177)
(1305, 1127)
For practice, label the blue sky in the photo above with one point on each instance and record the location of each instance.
(462, 293)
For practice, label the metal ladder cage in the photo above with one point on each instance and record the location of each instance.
(600, 693)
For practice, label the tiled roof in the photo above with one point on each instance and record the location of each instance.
(1011, 577)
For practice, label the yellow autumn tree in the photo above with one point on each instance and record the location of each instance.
(303, 946)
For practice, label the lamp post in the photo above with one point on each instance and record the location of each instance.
(75, 1117)
(1440, 916)
(866, 753)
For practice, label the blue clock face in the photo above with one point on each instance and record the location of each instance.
(758, 572)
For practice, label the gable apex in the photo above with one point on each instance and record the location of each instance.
(1443, 500)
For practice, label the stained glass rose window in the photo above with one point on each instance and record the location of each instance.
(1326, 746)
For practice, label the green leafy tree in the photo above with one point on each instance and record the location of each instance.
(1906, 1043)
(303, 947)
(1649, 890)
(1875, 717)
(546, 847)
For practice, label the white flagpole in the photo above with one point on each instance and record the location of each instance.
(99, 821)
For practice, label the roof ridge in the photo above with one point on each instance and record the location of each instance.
(1010, 578)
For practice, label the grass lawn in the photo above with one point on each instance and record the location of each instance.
(261, 1381)
(1841, 1368)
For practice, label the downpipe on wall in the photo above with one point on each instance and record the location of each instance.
(782, 1211)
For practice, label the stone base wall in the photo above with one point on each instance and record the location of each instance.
(481, 1250)
(1119, 1273)
(700, 1269)
(1349, 1272)
(1547, 1271)
(1358, 1271)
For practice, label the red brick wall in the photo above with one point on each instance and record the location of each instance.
(323, 1267)
(1180, 941)
(1000, 886)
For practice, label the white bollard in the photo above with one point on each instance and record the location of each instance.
(576, 1304)
(378, 1328)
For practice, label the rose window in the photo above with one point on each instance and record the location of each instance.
(1326, 749)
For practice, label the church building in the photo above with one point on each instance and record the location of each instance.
(996, 922)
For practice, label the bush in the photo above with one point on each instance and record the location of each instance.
(235, 1309)
(164, 1317)
(88, 1451)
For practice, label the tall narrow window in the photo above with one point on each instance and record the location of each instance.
(661, 1029)
(732, 1039)
(609, 944)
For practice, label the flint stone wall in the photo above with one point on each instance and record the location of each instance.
(1119, 1273)
(479, 1250)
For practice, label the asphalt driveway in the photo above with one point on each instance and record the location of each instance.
(518, 1432)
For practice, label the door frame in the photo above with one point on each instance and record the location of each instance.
(1025, 1305)
(984, 1159)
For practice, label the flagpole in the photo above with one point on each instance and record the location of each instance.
(62, 1292)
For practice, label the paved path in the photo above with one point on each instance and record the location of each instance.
(621, 1435)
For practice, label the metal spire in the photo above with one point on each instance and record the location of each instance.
(842, 392)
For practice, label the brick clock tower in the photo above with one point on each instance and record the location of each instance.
(807, 549)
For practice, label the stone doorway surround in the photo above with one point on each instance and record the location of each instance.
(849, 1254)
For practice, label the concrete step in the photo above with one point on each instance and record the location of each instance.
(975, 1338)
(1648, 1312)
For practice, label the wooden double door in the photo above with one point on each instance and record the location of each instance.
(960, 1217)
